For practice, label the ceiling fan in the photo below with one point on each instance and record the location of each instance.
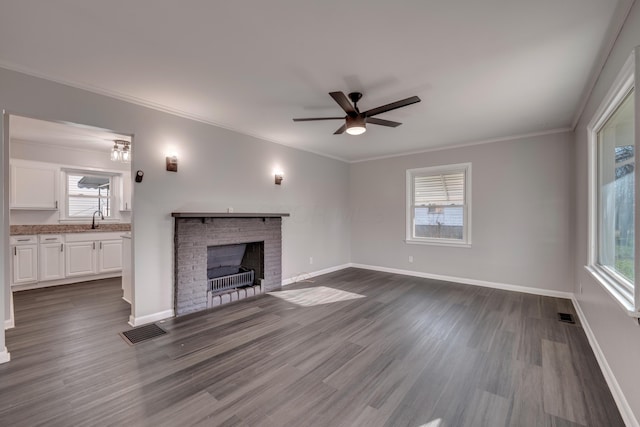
(355, 121)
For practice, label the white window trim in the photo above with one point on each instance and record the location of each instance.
(626, 80)
(115, 195)
(466, 241)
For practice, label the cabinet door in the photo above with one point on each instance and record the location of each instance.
(125, 191)
(126, 269)
(25, 264)
(33, 186)
(51, 261)
(80, 258)
(110, 256)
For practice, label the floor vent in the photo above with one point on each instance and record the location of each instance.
(566, 317)
(143, 333)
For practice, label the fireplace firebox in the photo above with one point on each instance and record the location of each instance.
(233, 267)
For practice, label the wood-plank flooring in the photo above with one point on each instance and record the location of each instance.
(353, 348)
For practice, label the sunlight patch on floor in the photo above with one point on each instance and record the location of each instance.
(317, 295)
(434, 423)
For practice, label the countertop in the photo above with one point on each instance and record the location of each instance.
(21, 230)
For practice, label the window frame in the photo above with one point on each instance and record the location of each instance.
(465, 168)
(617, 286)
(113, 197)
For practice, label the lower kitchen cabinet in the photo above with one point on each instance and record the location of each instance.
(109, 256)
(51, 257)
(80, 258)
(24, 264)
(94, 256)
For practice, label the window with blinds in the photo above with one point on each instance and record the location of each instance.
(437, 205)
(87, 194)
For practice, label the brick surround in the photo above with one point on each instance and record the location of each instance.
(193, 235)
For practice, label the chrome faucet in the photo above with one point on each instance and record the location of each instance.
(93, 221)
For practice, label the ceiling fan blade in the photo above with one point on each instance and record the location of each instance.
(383, 122)
(341, 129)
(392, 106)
(309, 119)
(344, 102)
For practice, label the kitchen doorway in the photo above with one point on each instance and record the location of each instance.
(70, 206)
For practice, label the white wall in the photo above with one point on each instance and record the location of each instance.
(217, 169)
(60, 155)
(617, 334)
(521, 204)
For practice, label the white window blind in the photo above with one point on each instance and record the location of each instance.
(443, 189)
(438, 205)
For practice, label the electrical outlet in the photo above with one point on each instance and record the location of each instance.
(310, 260)
(410, 258)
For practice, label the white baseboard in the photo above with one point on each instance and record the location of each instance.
(474, 282)
(621, 401)
(150, 318)
(4, 356)
(304, 276)
(10, 322)
(65, 281)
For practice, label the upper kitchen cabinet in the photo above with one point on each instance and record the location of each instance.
(33, 185)
(125, 191)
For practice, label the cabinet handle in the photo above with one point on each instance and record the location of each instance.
(15, 251)
(56, 204)
(61, 247)
(51, 238)
(100, 245)
(23, 240)
(94, 246)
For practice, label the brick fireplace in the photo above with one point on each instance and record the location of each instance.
(195, 232)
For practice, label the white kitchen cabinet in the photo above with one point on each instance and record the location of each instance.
(93, 253)
(80, 258)
(51, 257)
(126, 267)
(109, 256)
(25, 259)
(33, 185)
(125, 191)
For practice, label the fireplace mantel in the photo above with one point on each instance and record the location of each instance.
(227, 215)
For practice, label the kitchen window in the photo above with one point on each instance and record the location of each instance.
(88, 193)
(438, 205)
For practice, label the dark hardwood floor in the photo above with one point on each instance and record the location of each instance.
(354, 348)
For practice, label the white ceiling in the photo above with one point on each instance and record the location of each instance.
(62, 134)
(485, 69)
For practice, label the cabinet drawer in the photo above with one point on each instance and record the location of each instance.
(51, 238)
(23, 240)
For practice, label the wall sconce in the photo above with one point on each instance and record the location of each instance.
(279, 177)
(172, 163)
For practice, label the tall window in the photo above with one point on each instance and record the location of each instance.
(616, 178)
(87, 194)
(438, 205)
(613, 182)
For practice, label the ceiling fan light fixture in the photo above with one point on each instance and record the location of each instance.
(356, 125)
